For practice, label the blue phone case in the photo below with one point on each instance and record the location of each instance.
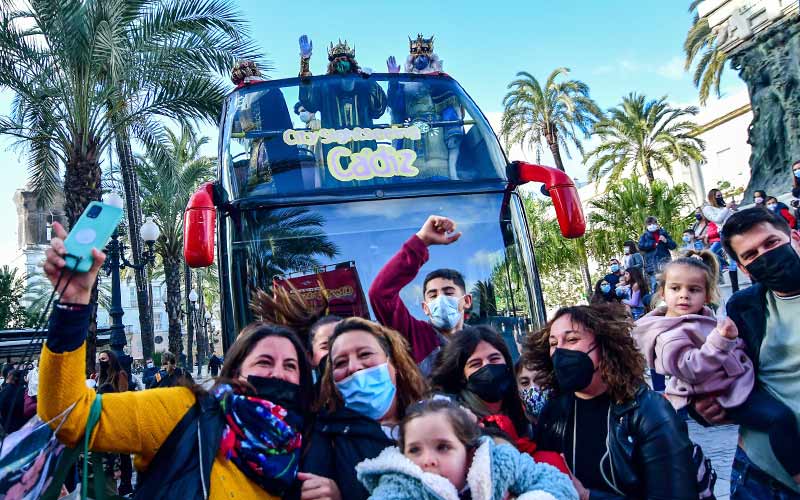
(90, 232)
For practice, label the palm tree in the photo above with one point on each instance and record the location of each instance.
(643, 136)
(286, 240)
(167, 181)
(555, 112)
(710, 65)
(620, 214)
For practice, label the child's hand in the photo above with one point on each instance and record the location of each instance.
(727, 328)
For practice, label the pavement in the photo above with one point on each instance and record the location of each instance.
(719, 444)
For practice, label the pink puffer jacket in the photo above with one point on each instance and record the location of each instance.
(698, 359)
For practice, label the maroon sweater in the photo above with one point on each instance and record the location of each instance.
(384, 296)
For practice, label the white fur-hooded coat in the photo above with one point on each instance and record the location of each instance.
(498, 472)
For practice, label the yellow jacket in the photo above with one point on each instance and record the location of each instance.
(131, 422)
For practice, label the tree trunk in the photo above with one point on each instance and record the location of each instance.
(648, 172)
(134, 211)
(190, 314)
(552, 142)
(200, 326)
(81, 186)
(586, 276)
(172, 276)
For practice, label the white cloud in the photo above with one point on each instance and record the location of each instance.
(486, 259)
(672, 69)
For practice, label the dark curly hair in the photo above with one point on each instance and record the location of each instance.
(621, 363)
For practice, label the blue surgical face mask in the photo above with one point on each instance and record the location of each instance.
(369, 392)
(797, 173)
(614, 268)
(687, 238)
(772, 206)
(421, 62)
(605, 288)
(444, 312)
(343, 67)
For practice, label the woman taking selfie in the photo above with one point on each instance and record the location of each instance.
(620, 439)
(242, 439)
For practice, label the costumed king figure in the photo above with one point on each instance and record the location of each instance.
(349, 101)
(422, 103)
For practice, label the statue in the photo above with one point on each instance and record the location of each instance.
(420, 104)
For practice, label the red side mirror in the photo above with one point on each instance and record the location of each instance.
(562, 191)
(199, 223)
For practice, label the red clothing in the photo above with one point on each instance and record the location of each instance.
(712, 233)
(384, 296)
(787, 214)
(526, 445)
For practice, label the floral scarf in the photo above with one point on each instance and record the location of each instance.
(261, 438)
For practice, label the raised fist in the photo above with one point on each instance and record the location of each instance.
(306, 46)
(438, 230)
(392, 66)
(727, 328)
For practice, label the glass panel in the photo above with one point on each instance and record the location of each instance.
(334, 132)
(344, 246)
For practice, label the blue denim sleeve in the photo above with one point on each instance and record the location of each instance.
(69, 324)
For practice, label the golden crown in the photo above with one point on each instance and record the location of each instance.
(341, 49)
(420, 45)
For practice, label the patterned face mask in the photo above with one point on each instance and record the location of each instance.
(534, 399)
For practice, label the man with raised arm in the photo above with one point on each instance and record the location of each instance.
(445, 299)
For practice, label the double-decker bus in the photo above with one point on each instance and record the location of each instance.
(322, 179)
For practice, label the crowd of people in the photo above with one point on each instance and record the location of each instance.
(312, 406)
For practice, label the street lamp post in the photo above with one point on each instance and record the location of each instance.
(205, 331)
(193, 296)
(117, 261)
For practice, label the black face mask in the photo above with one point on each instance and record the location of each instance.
(720, 201)
(698, 217)
(573, 369)
(778, 269)
(491, 382)
(275, 390)
(103, 365)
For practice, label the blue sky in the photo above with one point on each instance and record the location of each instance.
(615, 46)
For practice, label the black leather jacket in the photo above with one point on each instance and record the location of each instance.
(651, 454)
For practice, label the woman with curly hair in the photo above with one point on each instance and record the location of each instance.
(620, 439)
(370, 380)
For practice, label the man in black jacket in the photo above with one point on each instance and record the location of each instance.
(767, 316)
(12, 402)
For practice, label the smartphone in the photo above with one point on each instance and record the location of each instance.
(92, 230)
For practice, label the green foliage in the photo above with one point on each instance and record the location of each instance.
(558, 112)
(12, 312)
(558, 259)
(620, 214)
(641, 136)
(702, 47)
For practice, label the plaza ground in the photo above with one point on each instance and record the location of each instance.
(719, 444)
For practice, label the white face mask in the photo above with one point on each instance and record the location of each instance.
(626, 251)
(652, 227)
(759, 200)
(150, 364)
(444, 312)
(306, 116)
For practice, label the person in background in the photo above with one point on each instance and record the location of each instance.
(533, 397)
(767, 317)
(319, 333)
(760, 198)
(620, 439)
(214, 364)
(690, 242)
(149, 373)
(603, 292)
(170, 374)
(700, 227)
(442, 455)
(796, 179)
(781, 209)
(631, 256)
(656, 244)
(7, 368)
(716, 210)
(12, 402)
(615, 273)
(639, 292)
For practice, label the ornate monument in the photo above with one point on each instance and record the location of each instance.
(762, 39)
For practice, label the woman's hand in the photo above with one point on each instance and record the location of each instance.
(79, 288)
(318, 487)
(583, 493)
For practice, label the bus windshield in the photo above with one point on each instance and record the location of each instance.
(333, 133)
